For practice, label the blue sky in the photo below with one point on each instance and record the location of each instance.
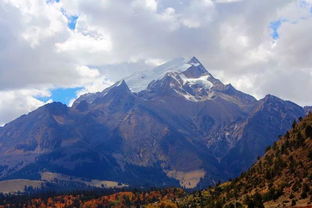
(63, 95)
(275, 25)
(71, 19)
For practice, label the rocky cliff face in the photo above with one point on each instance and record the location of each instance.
(268, 120)
(185, 128)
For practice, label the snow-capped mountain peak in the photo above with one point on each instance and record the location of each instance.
(194, 87)
(196, 84)
(140, 80)
(192, 68)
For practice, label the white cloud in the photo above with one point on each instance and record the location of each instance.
(227, 1)
(115, 38)
(151, 4)
(28, 55)
(80, 42)
(14, 103)
(98, 84)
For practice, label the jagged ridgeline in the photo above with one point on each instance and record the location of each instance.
(172, 126)
(281, 178)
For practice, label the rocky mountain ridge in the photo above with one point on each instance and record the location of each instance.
(186, 128)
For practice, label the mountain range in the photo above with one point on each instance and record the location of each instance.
(282, 177)
(175, 125)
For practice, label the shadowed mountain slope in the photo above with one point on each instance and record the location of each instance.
(184, 128)
(280, 178)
